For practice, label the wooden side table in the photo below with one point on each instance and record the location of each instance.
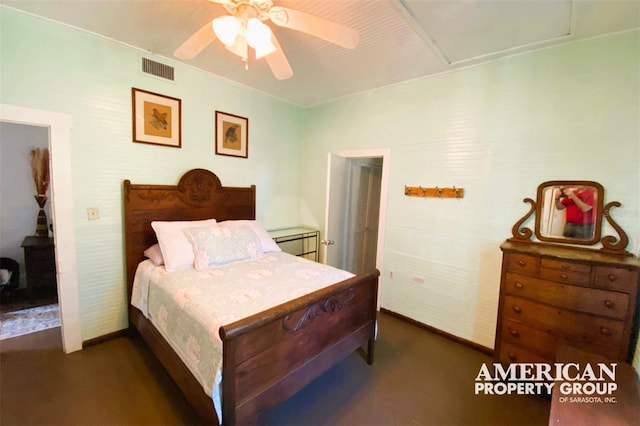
(40, 263)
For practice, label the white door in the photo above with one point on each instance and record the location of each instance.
(364, 214)
(334, 240)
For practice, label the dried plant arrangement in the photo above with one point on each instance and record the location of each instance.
(39, 162)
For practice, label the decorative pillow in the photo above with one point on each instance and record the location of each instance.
(176, 249)
(155, 254)
(266, 242)
(216, 246)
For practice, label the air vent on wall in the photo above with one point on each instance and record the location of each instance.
(157, 69)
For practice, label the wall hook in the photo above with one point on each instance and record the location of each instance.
(419, 191)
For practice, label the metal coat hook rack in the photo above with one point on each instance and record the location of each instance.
(419, 191)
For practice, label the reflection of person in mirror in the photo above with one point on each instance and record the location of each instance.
(578, 204)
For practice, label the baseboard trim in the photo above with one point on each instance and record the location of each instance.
(104, 338)
(439, 332)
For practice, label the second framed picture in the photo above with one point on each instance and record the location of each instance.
(232, 135)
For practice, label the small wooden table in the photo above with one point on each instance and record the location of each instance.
(40, 263)
(624, 411)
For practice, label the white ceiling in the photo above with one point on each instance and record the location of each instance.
(399, 39)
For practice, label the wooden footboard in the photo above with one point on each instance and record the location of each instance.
(270, 356)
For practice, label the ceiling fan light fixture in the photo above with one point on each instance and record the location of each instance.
(227, 29)
(243, 27)
(258, 36)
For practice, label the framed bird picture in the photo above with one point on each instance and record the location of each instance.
(232, 135)
(157, 119)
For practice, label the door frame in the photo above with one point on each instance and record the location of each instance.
(59, 126)
(385, 154)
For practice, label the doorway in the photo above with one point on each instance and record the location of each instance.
(26, 258)
(357, 187)
(59, 129)
(365, 179)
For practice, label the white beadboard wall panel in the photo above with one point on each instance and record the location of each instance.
(497, 130)
(52, 67)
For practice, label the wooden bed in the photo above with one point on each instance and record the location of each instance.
(266, 357)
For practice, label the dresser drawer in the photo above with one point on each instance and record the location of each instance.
(40, 265)
(530, 338)
(522, 263)
(615, 278)
(610, 304)
(511, 353)
(44, 279)
(569, 277)
(41, 254)
(562, 323)
(545, 344)
(565, 266)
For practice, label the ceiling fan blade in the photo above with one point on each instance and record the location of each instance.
(196, 43)
(277, 61)
(314, 25)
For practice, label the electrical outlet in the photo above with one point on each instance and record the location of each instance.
(419, 280)
(93, 213)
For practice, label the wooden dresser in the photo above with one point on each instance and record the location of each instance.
(40, 263)
(552, 295)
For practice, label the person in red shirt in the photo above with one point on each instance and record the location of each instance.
(578, 204)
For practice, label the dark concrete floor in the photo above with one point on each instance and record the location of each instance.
(418, 378)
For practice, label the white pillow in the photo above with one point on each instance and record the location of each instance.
(176, 249)
(267, 243)
(216, 246)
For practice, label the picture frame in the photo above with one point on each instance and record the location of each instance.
(157, 119)
(232, 135)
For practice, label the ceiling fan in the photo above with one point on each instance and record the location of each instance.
(244, 28)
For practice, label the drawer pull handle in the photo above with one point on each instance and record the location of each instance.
(564, 276)
(522, 263)
(514, 333)
(512, 356)
(612, 277)
(605, 331)
(517, 309)
(519, 285)
(609, 303)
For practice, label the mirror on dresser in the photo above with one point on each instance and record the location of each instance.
(571, 285)
(569, 212)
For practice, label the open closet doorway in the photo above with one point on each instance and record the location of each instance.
(59, 129)
(29, 298)
(357, 187)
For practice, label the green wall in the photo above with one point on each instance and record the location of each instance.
(497, 130)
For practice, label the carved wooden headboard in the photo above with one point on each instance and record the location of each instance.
(199, 195)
